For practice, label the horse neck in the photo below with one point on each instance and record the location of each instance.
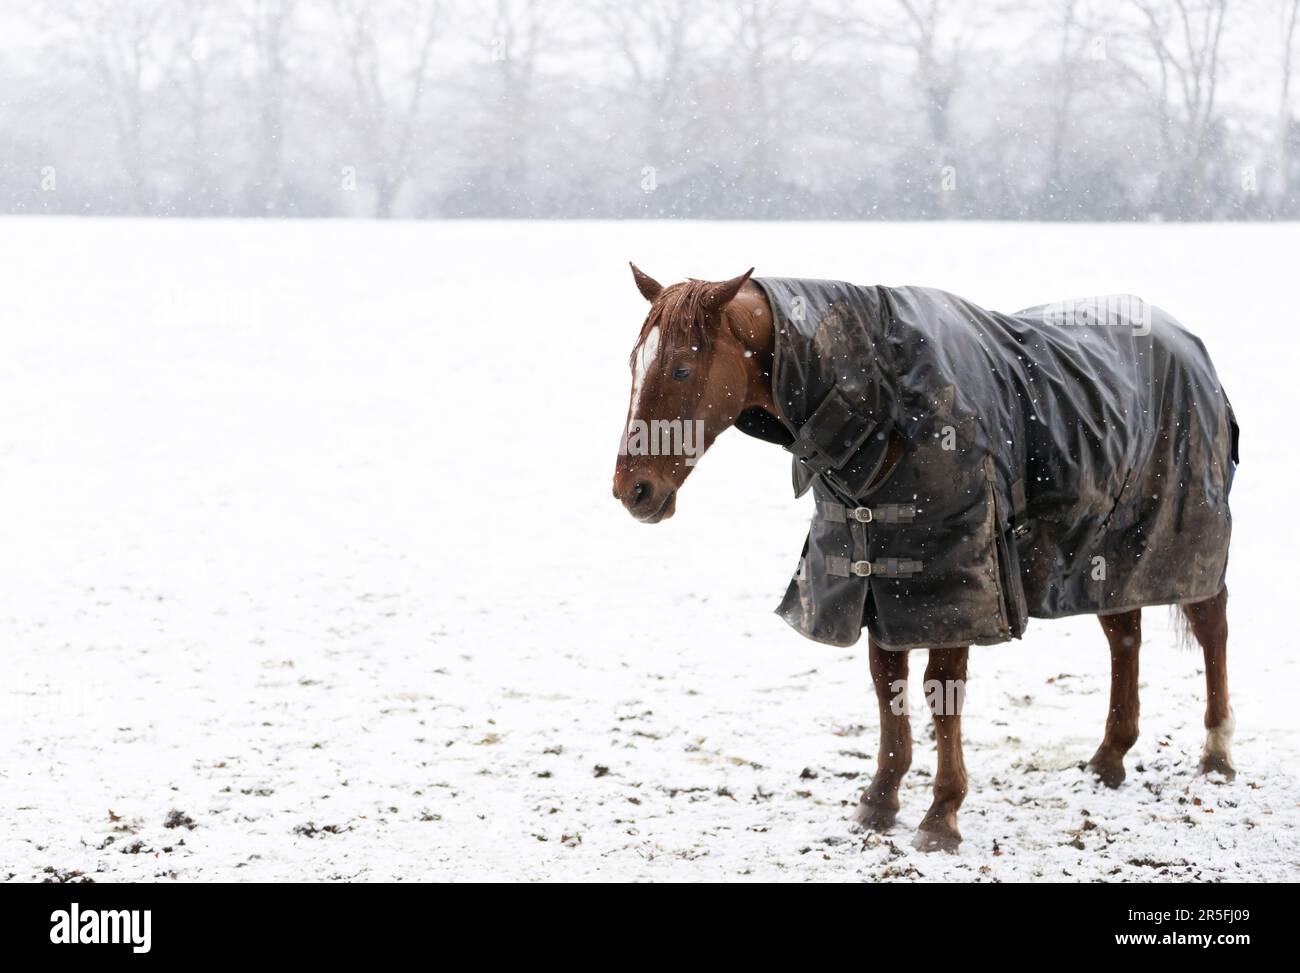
(750, 319)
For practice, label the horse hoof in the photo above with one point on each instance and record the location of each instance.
(936, 837)
(874, 817)
(1214, 763)
(1109, 772)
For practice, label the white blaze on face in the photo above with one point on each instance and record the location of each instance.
(648, 352)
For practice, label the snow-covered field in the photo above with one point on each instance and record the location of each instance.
(309, 553)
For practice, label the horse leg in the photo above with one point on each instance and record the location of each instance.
(879, 804)
(945, 688)
(1124, 632)
(1209, 621)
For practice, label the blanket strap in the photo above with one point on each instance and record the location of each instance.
(1019, 523)
(888, 513)
(886, 567)
(833, 433)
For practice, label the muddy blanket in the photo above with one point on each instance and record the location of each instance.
(1066, 459)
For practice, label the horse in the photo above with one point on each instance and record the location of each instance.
(704, 359)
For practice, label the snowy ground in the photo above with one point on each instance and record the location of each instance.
(309, 552)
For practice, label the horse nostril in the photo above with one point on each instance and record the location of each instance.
(640, 492)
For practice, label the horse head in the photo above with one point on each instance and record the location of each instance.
(702, 358)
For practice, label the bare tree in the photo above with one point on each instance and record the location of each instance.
(268, 28)
(1290, 13)
(1068, 28)
(933, 37)
(1183, 39)
(654, 43)
(191, 28)
(759, 36)
(388, 75)
(119, 44)
(744, 107)
(521, 32)
(938, 66)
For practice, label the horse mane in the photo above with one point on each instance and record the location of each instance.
(683, 315)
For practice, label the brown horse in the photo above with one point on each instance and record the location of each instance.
(703, 360)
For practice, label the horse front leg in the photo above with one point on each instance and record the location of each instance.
(1209, 620)
(878, 806)
(945, 691)
(1124, 632)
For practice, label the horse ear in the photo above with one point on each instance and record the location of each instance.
(647, 285)
(720, 295)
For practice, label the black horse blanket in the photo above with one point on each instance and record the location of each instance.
(1066, 459)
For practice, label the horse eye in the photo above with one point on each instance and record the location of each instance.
(681, 373)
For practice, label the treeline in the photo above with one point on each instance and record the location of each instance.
(782, 109)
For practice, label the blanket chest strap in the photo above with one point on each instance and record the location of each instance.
(888, 567)
(886, 513)
(833, 433)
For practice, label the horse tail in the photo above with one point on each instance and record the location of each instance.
(1182, 625)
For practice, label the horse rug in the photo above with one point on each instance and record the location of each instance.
(1067, 459)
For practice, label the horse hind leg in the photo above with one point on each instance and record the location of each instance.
(945, 688)
(1124, 632)
(1209, 623)
(878, 806)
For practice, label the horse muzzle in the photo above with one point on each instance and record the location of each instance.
(647, 502)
